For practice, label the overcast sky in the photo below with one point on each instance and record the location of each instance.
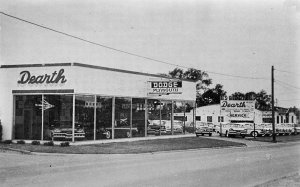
(243, 38)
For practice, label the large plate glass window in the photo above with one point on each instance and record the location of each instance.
(179, 117)
(103, 117)
(166, 115)
(189, 124)
(138, 117)
(84, 114)
(28, 117)
(123, 118)
(58, 115)
(154, 121)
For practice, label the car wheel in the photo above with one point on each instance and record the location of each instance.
(202, 134)
(209, 134)
(226, 134)
(254, 133)
(128, 134)
(107, 135)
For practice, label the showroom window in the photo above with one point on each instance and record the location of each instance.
(153, 121)
(166, 115)
(103, 118)
(179, 110)
(122, 124)
(189, 125)
(138, 117)
(84, 115)
(28, 117)
(58, 113)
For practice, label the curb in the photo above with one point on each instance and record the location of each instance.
(156, 152)
(16, 150)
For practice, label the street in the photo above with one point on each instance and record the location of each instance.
(247, 166)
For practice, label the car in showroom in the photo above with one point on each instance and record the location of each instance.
(62, 130)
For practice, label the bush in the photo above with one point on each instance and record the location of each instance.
(35, 142)
(64, 144)
(20, 142)
(189, 129)
(7, 141)
(49, 143)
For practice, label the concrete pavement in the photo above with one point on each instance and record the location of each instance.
(247, 166)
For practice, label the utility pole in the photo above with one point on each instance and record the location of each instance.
(273, 111)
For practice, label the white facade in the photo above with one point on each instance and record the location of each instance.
(77, 79)
(212, 114)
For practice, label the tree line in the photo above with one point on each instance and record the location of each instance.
(208, 96)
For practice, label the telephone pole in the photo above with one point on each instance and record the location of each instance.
(273, 111)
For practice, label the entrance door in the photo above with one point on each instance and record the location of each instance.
(28, 124)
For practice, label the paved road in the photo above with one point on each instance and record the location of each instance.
(246, 166)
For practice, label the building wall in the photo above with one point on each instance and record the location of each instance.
(83, 80)
(210, 110)
(214, 111)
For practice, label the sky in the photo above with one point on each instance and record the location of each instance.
(232, 37)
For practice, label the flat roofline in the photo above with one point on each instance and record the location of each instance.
(90, 66)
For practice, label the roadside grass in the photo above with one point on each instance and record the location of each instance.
(281, 138)
(146, 146)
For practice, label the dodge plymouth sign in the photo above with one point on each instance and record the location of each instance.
(164, 87)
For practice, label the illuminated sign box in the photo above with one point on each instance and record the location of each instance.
(164, 87)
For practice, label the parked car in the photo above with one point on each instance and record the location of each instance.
(204, 130)
(232, 129)
(297, 129)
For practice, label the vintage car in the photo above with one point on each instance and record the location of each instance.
(106, 133)
(62, 130)
(232, 129)
(156, 127)
(202, 130)
(177, 126)
(297, 129)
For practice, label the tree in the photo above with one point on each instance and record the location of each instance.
(263, 100)
(201, 77)
(237, 96)
(211, 96)
(176, 73)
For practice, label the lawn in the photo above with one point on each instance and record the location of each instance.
(146, 146)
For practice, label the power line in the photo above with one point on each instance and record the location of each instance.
(289, 100)
(287, 84)
(287, 72)
(125, 52)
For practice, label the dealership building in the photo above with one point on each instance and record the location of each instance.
(215, 115)
(79, 102)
